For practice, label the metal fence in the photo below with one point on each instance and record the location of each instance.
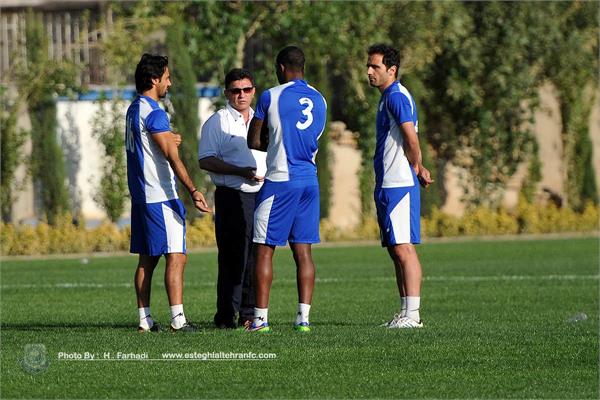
(73, 35)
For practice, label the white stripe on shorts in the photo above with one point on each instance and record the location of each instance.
(174, 230)
(400, 218)
(261, 219)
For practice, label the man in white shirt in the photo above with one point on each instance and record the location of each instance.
(237, 172)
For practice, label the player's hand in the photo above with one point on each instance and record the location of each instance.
(177, 138)
(424, 176)
(200, 202)
(250, 174)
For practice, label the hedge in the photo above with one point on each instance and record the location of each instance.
(67, 238)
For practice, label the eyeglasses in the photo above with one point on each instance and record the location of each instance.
(237, 91)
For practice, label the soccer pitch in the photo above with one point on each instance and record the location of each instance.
(497, 325)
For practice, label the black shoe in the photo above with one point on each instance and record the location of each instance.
(243, 321)
(154, 329)
(188, 327)
(225, 323)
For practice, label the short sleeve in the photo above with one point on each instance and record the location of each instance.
(210, 135)
(158, 121)
(262, 107)
(400, 107)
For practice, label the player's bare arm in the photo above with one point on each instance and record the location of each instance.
(176, 138)
(166, 143)
(258, 135)
(412, 150)
(218, 166)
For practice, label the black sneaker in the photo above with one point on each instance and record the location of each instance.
(225, 323)
(188, 327)
(154, 329)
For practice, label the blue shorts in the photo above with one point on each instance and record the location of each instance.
(398, 214)
(158, 228)
(287, 211)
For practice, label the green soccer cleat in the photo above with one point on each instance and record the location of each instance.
(302, 327)
(262, 328)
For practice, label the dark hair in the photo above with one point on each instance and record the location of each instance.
(238, 74)
(391, 57)
(150, 67)
(291, 57)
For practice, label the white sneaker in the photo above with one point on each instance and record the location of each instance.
(391, 322)
(405, 322)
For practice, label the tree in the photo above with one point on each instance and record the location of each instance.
(184, 113)
(39, 79)
(128, 36)
(107, 126)
(571, 63)
(11, 155)
(481, 89)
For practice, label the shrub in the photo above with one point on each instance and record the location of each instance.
(65, 237)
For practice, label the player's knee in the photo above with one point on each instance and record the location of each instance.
(176, 260)
(404, 252)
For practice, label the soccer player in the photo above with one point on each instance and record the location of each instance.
(237, 172)
(157, 214)
(288, 203)
(398, 172)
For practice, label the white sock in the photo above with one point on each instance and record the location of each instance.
(260, 316)
(303, 311)
(146, 321)
(412, 308)
(403, 306)
(177, 316)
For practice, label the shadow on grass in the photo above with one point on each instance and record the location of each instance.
(205, 326)
(45, 326)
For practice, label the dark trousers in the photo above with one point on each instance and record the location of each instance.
(234, 221)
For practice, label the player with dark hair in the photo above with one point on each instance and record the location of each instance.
(288, 203)
(237, 172)
(157, 214)
(398, 172)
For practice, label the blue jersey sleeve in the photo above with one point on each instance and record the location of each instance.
(401, 108)
(262, 107)
(158, 121)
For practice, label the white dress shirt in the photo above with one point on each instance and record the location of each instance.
(223, 136)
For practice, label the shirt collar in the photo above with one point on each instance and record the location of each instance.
(236, 114)
(391, 87)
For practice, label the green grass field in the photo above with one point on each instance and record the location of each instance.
(496, 326)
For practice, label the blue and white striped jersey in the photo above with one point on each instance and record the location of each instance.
(396, 107)
(296, 114)
(149, 175)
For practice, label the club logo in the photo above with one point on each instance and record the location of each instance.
(35, 360)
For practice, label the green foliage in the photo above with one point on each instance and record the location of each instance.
(39, 79)
(64, 237)
(128, 36)
(107, 127)
(534, 174)
(571, 63)
(11, 155)
(481, 89)
(184, 117)
(431, 196)
(47, 164)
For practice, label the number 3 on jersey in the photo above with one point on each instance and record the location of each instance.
(307, 111)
